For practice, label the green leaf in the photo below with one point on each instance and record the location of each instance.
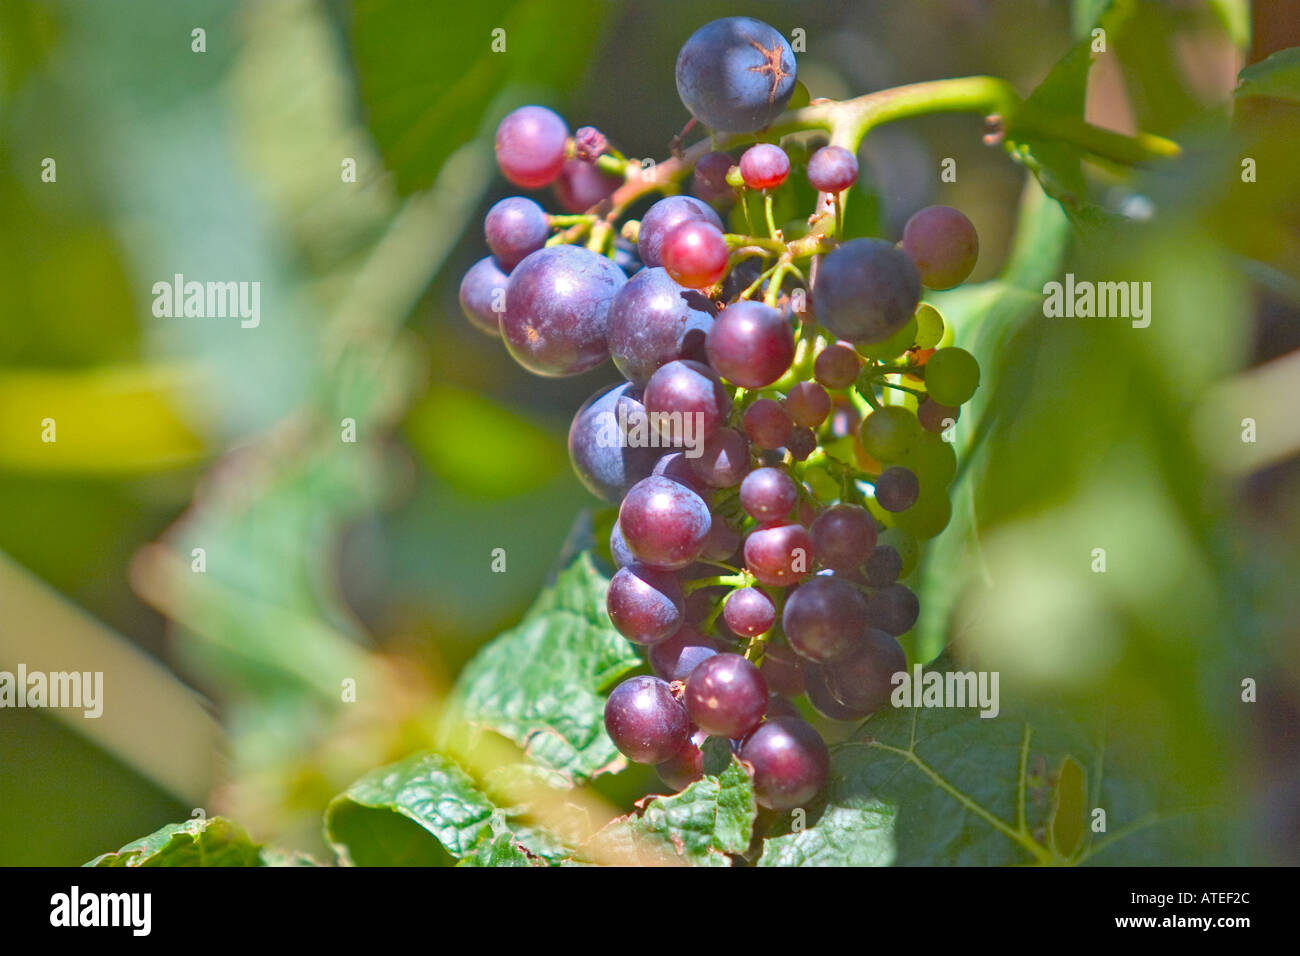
(539, 684)
(421, 811)
(428, 72)
(1069, 808)
(703, 825)
(848, 831)
(1277, 75)
(208, 842)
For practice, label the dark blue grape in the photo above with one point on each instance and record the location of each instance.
(867, 289)
(653, 321)
(726, 696)
(483, 295)
(557, 310)
(644, 605)
(675, 658)
(790, 762)
(514, 227)
(751, 344)
(736, 74)
(883, 566)
(893, 609)
(625, 256)
(601, 456)
(862, 680)
(824, 618)
(663, 217)
(897, 488)
(664, 523)
(645, 721)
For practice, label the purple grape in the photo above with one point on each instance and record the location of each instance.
(768, 494)
(883, 567)
(726, 696)
(790, 761)
(675, 658)
(779, 554)
(933, 416)
(664, 523)
(837, 366)
(778, 706)
(897, 489)
(862, 680)
(764, 166)
(483, 295)
(943, 244)
(824, 618)
(751, 344)
(867, 289)
(783, 669)
(844, 536)
(801, 443)
(530, 146)
(723, 460)
(832, 169)
(618, 549)
(767, 424)
(722, 541)
(645, 721)
(736, 74)
(686, 766)
(820, 696)
(581, 185)
(602, 459)
(653, 321)
(894, 609)
(514, 227)
(749, 612)
(677, 467)
(645, 606)
(664, 216)
(557, 310)
(807, 404)
(710, 182)
(686, 401)
(695, 254)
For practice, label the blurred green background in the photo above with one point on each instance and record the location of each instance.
(182, 433)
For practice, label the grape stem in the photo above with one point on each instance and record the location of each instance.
(848, 121)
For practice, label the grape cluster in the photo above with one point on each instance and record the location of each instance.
(779, 446)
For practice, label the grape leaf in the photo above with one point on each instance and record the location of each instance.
(1277, 76)
(700, 826)
(421, 811)
(426, 83)
(539, 684)
(206, 842)
(846, 830)
(968, 790)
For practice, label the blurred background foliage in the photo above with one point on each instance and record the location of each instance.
(372, 559)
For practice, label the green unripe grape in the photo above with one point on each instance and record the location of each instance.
(905, 544)
(880, 514)
(822, 484)
(892, 347)
(951, 376)
(927, 517)
(929, 327)
(841, 449)
(933, 460)
(888, 432)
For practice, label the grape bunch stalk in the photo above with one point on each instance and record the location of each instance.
(782, 442)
